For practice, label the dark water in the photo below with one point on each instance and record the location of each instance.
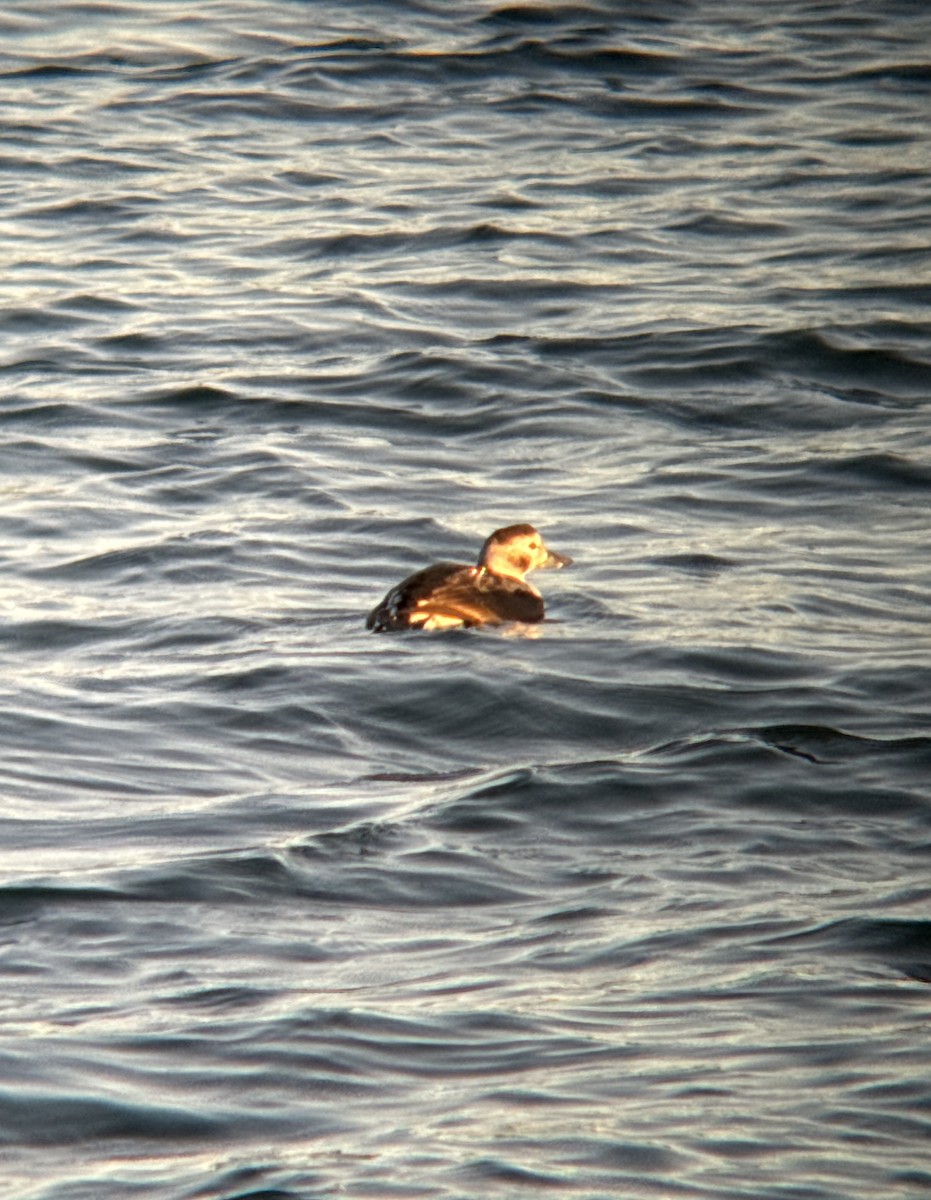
(298, 297)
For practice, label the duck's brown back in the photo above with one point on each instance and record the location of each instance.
(451, 594)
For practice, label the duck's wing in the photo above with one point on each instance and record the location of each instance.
(449, 595)
(438, 592)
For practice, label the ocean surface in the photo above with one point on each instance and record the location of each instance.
(299, 297)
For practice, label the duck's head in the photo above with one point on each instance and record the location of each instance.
(516, 550)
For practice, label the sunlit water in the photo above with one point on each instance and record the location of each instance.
(298, 297)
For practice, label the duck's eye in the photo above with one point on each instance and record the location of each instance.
(533, 545)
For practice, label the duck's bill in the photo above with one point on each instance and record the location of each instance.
(557, 560)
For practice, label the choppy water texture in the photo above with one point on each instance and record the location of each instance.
(298, 297)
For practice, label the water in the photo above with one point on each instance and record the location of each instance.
(298, 297)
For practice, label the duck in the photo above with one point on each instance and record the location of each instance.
(452, 595)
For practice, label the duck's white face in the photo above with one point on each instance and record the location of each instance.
(518, 549)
